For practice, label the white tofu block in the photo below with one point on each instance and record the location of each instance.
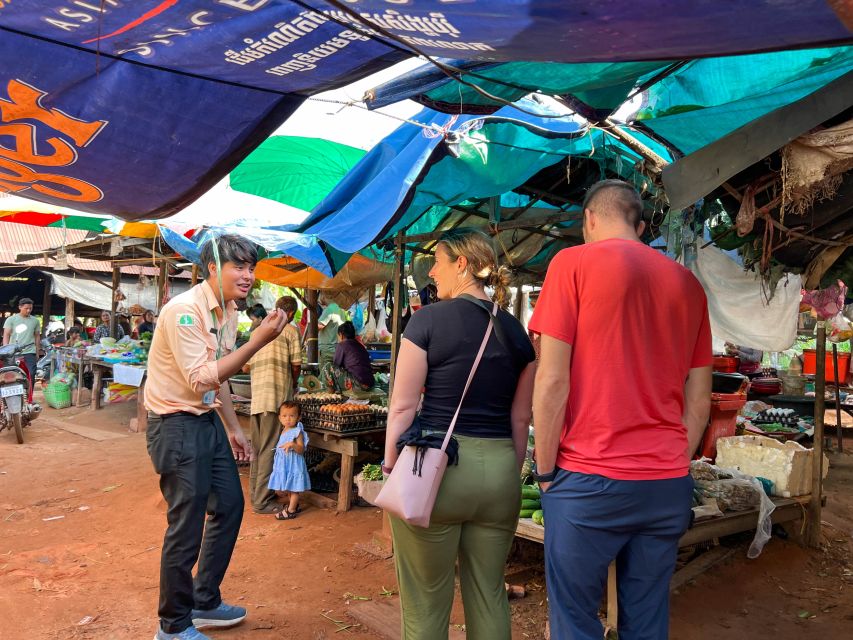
(787, 465)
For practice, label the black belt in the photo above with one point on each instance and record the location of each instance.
(175, 414)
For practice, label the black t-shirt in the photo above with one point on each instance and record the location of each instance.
(451, 332)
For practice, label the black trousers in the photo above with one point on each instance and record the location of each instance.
(198, 476)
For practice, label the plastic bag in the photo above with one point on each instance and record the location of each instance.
(840, 329)
(737, 491)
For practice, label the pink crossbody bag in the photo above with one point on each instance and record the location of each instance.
(410, 491)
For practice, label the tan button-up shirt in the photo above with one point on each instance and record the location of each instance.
(182, 360)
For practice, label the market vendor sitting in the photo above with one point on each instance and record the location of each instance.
(750, 359)
(350, 369)
(73, 337)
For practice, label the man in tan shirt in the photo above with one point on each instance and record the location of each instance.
(275, 376)
(192, 357)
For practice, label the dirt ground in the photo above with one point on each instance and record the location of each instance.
(82, 520)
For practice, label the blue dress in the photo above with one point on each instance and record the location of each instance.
(289, 472)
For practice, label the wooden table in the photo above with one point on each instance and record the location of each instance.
(345, 444)
(99, 367)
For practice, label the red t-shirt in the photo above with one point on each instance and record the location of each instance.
(637, 322)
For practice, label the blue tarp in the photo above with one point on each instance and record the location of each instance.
(135, 108)
(386, 190)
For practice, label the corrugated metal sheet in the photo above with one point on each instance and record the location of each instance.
(24, 238)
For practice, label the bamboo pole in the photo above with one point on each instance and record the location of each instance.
(813, 529)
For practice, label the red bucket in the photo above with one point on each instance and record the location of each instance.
(810, 364)
(724, 410)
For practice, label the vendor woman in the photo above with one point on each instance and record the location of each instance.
(350, 368)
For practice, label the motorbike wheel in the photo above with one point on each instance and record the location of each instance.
(19, 428)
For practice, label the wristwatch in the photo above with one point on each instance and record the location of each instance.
(544, 477)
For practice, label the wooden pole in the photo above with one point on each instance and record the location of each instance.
(838, 379)
(45, 306)
(813, 529)
(194, 278)
(312, 345)
(114, 302)
(400, 293)
(161, 284)
(69, 313)
(519, 302)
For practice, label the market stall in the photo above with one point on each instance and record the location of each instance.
(336, 427)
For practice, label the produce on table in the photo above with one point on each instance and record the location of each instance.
(372, 472)
(530, 501)
(538, 517)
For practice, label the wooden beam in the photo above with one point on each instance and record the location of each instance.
(45, 306)
(113, 301)
(312, 346)
(162, 278)
(69, 313)
(194, 276)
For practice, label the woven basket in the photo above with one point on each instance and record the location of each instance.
(57, 395)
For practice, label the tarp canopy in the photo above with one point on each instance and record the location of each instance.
(134, 109)
(295, 171)
(708, 99)
(99, 295)
(359, 272)
(421, 174)
(601, 85)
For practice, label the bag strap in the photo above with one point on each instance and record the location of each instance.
(492, 311)
(470, 378)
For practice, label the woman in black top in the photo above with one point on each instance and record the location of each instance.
(477, 508)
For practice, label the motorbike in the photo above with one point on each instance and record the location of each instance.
(17, 409)
(43, 364)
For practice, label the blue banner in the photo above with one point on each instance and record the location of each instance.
(134, 108)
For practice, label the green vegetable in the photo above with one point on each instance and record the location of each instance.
(371, 472)
(538, 517)
(531, 504)
(526, 513)
(529, 492)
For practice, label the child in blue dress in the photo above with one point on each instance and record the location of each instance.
(289, 472)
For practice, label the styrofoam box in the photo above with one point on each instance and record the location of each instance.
(787, 465)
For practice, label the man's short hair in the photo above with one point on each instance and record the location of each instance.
(24, 301)
(287, 304)
(615, 196)
(232, 249)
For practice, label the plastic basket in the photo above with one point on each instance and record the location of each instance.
(57, 395)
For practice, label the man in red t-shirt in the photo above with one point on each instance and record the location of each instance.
(622, 398)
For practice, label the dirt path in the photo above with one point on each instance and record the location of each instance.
(81, 524)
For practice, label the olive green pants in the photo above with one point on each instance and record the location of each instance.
(474, 521)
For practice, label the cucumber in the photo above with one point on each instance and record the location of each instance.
(526, 513)
(538, 517)
(531, 504)
(529, 492)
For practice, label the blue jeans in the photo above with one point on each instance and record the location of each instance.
(590, 521)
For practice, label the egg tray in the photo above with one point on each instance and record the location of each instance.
(314, 404)
(792, 419)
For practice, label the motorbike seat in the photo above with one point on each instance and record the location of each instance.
(8, 350)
